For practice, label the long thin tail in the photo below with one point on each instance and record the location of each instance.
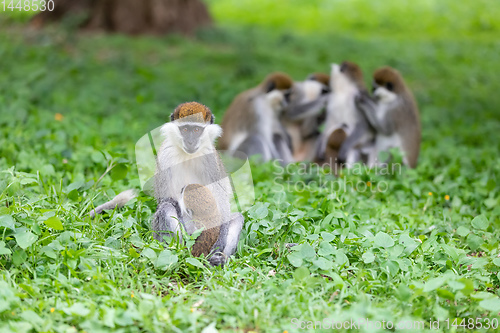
(119, 201)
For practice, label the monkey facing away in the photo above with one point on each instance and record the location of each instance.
(343, 115)
(393, 112)
(305, 113)
(188, 156)
(251, 123)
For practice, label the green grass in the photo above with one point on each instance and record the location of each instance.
(402, 254)
(403, 18)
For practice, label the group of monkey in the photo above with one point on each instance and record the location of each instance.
(279, 119)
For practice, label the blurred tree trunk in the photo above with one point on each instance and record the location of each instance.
(130, 16)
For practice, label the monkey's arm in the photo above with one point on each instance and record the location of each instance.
(352, 140)
(305, 110)
(167, 220)
(369, 108)
(321, 147)
(283, 145)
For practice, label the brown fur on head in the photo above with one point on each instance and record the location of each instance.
(390, 79)
(320, 77)
(195, 112)
(277, 80)
(353, 71)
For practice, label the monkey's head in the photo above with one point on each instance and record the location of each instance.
(277, 80)
(276, 89)
(191, 127)
(321, 78)
(387, 84)
(311, 85)
(347, 70)
(276, 100)
(192, 112)
(307, 98)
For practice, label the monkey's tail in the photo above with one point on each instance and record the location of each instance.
(119, 201)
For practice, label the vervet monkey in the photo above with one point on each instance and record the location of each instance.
(188, 166)
(342, 113)
(305, 114)
(394, 114)
(200, 208)
(251, 124)
(188, 156)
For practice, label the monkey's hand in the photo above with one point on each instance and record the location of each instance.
(363, 102)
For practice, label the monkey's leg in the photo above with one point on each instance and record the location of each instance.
(383, 143)
(283, 149)
(310, 128)
(167, 220)
(255, 145)
(366, 150)
(348, 150)
(353, 156)
(228, 240)
(373, 157)
(321, 147)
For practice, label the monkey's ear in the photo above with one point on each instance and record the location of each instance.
(270, 86)
(212, 119)
(171, 117)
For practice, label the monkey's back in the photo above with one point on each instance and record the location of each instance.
(238, 117)
(205, 214)
(411, 128)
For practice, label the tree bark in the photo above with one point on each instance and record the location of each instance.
(131, 16)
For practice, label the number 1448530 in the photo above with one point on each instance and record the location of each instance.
(27, 5)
